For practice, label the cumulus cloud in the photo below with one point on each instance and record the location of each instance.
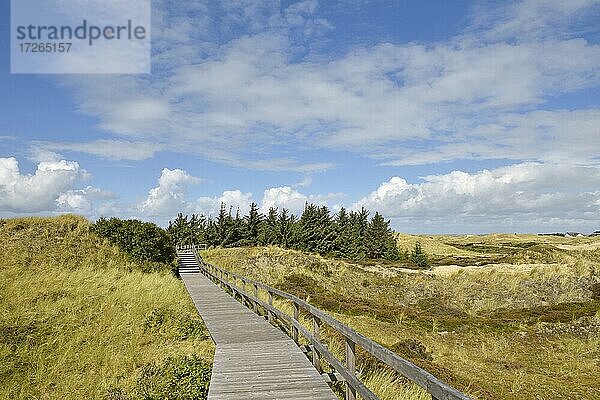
(168, 198)
(528, 195)
(86, 201)
(232, 199)
(30, 193)
(291, 199)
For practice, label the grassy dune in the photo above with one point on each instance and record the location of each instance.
(498, 316)
(79, 320)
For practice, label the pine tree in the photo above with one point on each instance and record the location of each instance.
(235, 237)
(223, 226)
(349, 235)
(418, 257)
(252, 225)
(285, 224)
(316, 230)
(268, 231)
(342, 243)
(198, 228)
(359, 222)
(179, 230)
(307, 228)
(326, 231)
(379, 239)
(212, 236)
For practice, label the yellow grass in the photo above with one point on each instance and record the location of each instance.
(72, 313)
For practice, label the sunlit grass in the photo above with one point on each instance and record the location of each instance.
(73, 311)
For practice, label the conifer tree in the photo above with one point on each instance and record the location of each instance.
(179, 230)
(268, 231)
(252, 225)
(418, 257)
(348, 234)
(198, 228)
(285, 224)
(359, 222)
(212, 237)
(316, 231)
(236, 231)
(343, 242)
(223, 225)
(379, 239)
(307, 228)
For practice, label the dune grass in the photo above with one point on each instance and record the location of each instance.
(521, 322)
(80, 320)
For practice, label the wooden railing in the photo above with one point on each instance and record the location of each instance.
(344, 370)
(192, 247)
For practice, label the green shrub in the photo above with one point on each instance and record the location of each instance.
(418, 257)
(143, 240)
(176, 378)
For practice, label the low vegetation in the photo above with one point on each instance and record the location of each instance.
(82, 319)
(497, 316)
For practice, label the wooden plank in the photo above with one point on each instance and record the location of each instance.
(253, 359)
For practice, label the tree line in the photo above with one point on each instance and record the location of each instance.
(347, 234)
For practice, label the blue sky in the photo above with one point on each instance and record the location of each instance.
(448, 117)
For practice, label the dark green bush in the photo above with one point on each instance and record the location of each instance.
(176, 378)
(143, 240)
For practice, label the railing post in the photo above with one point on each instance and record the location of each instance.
(244, 298)
(317, 334)
(351, 365)
(269, 313)
(294, 329)
(256, 295)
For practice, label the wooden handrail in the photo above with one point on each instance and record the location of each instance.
(193, 247)
(438, 389)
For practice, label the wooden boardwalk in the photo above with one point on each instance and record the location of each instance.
(253, 359)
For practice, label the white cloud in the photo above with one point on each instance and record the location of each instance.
(168, 198)
(533, 19)
(250, 96)
(234, 199)
(27, 193)
(306, 181)
(83, 201)
(525, 195)
(108, 149)
(291, 199)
